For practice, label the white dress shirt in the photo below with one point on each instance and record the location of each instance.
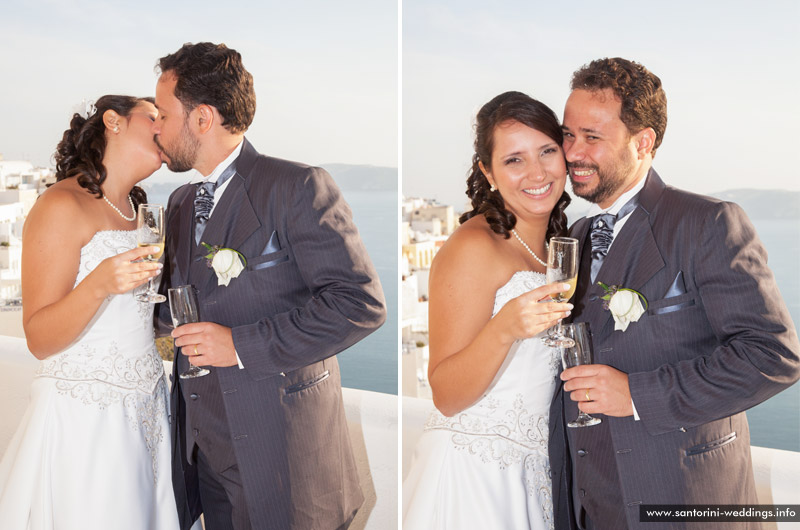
(198, 178)
(616, 207)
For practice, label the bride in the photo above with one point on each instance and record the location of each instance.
(482, 461)
(93, 449)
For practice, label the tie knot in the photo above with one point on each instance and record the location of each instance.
(604, 221)
(206, 188)
(204, 200)
(602, 234)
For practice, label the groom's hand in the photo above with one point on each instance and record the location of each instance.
(606, 387)
(206, 344)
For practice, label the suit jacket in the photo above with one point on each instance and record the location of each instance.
(716, 339)
(309, 290)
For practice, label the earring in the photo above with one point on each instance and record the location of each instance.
(492, 188)
(116, 129)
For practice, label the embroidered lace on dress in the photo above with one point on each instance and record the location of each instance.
(113, 361)
(508, 426)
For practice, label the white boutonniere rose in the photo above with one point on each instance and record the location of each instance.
(226, 262)
(625, 305)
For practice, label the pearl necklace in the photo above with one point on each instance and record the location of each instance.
(532, 253)
(130, 201)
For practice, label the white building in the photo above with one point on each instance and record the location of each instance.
(18, 174)
(20, 185)
(410, 204)
(10, 271)
(414, 325)
(426, 226)
(444, 214)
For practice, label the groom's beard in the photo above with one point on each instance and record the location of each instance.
(182, 157)
(609, 180)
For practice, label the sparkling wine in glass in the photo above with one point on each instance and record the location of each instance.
(562, 267)
(184, 310)
(150, 233)
(576, 355)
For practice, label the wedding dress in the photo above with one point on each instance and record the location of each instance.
(93, 449)
(487, 466)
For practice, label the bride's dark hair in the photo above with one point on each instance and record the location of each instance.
(80, 152)
(514, 106)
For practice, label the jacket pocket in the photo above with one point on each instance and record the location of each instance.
(710, 446)
(297, 387)
(268, 260)
(672, 304)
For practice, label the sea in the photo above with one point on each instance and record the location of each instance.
(776, 422)
(372, 364)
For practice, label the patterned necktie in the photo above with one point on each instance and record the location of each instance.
(602, 233)
(204, 201)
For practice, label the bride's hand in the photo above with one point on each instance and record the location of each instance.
(531, 313)
(121, 273)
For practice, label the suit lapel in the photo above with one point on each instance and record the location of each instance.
(183, 242)
(237, 219)
(633, 258)
(231, 223)
(580, 231)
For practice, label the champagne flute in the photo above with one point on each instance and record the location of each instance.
(150, 233)
(576, 355)
(562, 267)
(184, 310)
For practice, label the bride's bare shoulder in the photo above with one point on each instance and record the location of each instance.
(474, 235)
(474, 246)
(63, 203)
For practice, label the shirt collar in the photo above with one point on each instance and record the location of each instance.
(198, 177)
(619, 203)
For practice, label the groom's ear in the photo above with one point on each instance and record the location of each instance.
(205, 118)
(645, 140)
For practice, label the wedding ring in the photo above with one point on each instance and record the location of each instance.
(195, 351)
(587, 394)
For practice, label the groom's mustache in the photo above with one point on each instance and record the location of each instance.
(573, 165)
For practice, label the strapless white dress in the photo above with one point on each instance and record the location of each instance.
(487, 467)
(93, 449)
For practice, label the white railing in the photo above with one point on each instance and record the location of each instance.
(777, 472)
(371, 417)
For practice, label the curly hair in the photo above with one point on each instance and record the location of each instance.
(524, 109)
(80, 152)
(213, 74)
(644, 103)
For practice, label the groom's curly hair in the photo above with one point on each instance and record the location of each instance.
(80, 152)
(644, 102)
(524, 109)
(213, 74)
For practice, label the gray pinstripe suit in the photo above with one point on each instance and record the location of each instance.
(716, 340)
(309, 291)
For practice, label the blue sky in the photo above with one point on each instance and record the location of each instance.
(326, 74)
(730, 71)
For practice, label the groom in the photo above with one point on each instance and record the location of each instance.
(261, 441)
(715, 339)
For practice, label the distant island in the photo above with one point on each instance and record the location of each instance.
(757, 204)
(349, 177)
(764, 204)
(363, 178)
